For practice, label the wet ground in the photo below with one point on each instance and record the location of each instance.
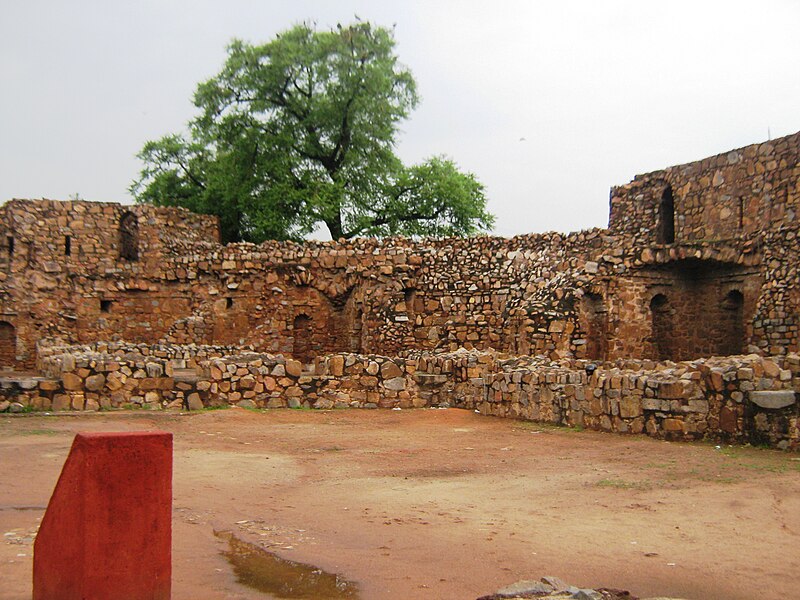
(433, 504)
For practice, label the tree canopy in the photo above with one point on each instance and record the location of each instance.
(301, 131)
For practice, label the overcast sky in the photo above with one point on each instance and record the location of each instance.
(548, 103)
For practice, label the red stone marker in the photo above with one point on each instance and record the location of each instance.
(107, 532)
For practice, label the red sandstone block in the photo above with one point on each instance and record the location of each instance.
(107, 532)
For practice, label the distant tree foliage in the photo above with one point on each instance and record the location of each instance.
(301, 131)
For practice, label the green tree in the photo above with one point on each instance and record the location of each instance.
(301, 131)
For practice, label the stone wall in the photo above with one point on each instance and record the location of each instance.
(727, 398)
(735, 193)
(597, 294)
(742, 399)
(63, 270)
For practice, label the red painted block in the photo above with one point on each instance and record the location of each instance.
(107, 532)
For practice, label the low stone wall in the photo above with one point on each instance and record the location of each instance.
(741, 399)
(337, 381)
(98, 380)
(120, 375)
(55, 357)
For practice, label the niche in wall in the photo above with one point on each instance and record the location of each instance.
(665, 231)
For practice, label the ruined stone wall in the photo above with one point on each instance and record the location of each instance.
(583, 295)
(89, 272)
(743, 399)
(107, 376)
(736, 193)
(63, 266)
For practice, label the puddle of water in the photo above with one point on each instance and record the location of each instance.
(266, 572)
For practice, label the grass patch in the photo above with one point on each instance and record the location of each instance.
(622, 484)
(546, 427)
(39, 432)
(671, 464)
(759, 458)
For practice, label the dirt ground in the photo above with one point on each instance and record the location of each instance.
(438, 503)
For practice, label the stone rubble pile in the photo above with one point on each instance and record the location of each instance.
(553, 587)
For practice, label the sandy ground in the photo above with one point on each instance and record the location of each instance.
(439, 503)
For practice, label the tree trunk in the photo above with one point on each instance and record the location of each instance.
(335, 227)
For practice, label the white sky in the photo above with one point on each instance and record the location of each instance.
(600, 90)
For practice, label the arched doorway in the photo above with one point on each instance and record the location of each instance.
(129, 237)
(8, 344)
(663, 331)
(303, 331)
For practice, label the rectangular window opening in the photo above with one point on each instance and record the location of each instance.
(741, 212)
(67, 245)
(105, 306)
(10, 240)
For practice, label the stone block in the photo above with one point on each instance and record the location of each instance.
(630, 407)
(773, 399)
(248, 382)
(293, 392)
(390, 370)
(395, 384)
(336, 365)
(369, 382)
(95, 383)
(61, 402)
(194, 402)
(278, 370)
(77, 552)
(71, 382)
(294, 368)
(49, 385)
(115, 381)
